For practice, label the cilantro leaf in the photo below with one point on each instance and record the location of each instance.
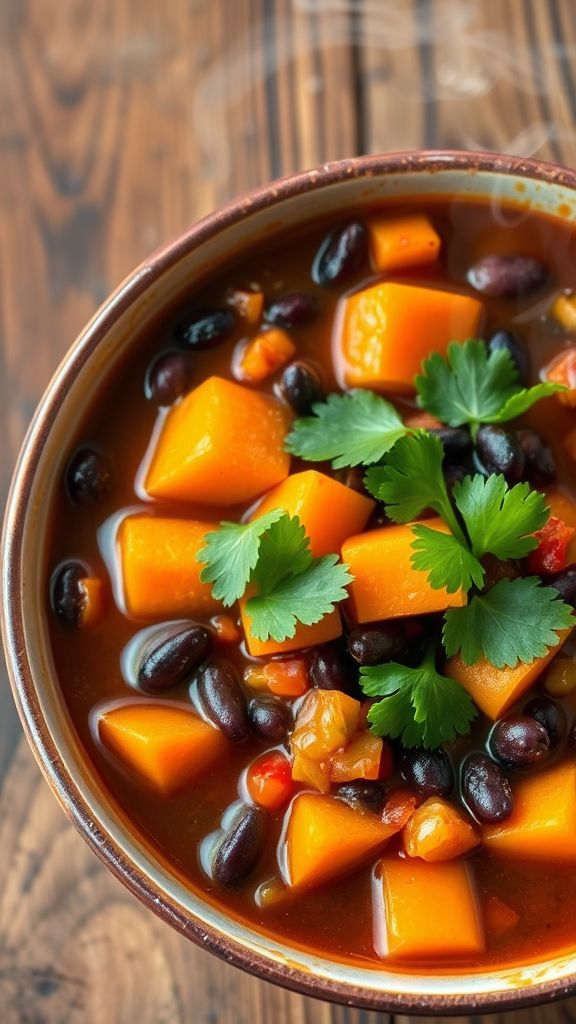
(500, 520)
(230, 555)
(419, 706)
(351, 429)
(471, 386)
(524, 399)
(516, 620)
(306, 597)
(284, 551)
(411, 480)
(448, 563)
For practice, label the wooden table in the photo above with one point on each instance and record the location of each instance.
(121, 121)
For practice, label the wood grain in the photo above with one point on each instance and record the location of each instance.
(120, 122)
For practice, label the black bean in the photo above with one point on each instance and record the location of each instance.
(66, 593)
(486, 789)
(551, 716)
(270, 716)
(500, 452)
(540, 462)
(518, 353)
(169, 377)
(301, 387)
(373, 644)
(291, 310)
(507, 277)
(456, 442)
(205, 328)
(223, 699)
(519, 741)
(429, 771)
(88, 476)
(342, 253)
(168, 661)
(330, 669)
(565, 583)
(367, 794)
(242, 847)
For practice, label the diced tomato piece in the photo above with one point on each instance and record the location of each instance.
(553, 541)
(562, 370)
(400, 806)
(269, 780)
(286, 677)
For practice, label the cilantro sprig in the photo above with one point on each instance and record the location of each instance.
(516, 620)
(470, 386)
(270, 560)
(420, 706)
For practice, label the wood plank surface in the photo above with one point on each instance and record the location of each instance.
(121, 121)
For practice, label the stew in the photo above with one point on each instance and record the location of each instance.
(312, 577)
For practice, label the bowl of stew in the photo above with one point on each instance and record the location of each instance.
(289, 576)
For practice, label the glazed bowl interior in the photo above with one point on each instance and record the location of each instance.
(94, 360)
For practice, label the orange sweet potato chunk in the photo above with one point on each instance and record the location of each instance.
(542, 825)
(427, 910)
(328, 510)
(160, 572)
(329, 628)
(438, 831)
(326, 838)
(400, 242)
(222, 444)
(494, 690)
(385, 586)
(389, 328)
(167, 745)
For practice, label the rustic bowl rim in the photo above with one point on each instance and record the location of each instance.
(23, 683)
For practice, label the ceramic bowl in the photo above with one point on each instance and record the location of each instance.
(92, 360)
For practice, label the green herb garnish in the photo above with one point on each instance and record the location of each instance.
(354, 429)
(271, 556)
(470, 386)
(420, 707)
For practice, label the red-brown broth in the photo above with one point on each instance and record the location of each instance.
(337, 918)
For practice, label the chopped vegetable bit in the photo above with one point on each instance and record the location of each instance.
(420, 707)
(437, 831)
(562, 372)
(470, 386)
(287, 585)
(269, 780)
(516, 620)
(247, 303)
(326, 721)
(553, 541)
(354, 429)
(359, 760)
(264, 354)
(399, 242)
(400, 806)
(286, 677)
(93, 601)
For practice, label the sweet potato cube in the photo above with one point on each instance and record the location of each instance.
(265, 354)
(388, 329)
(167, 745)
(222, 444)
(160, 572)
(542, 825)
(400, 242)
(493, 690)
(328, 510)
(326, 838)
(426, 910)
(385, 586)
(329, 628)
